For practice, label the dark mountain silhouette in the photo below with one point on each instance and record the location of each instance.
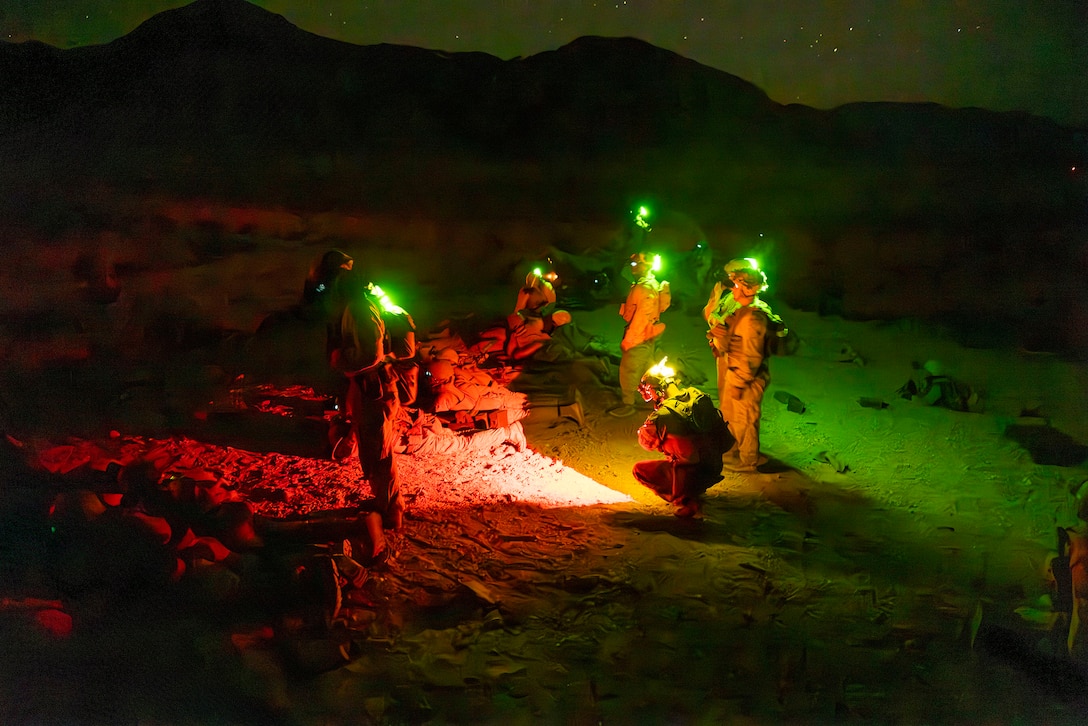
(223, 100)
(224, 69)
(228, 82)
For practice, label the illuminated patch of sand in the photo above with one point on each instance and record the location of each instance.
(505, 475)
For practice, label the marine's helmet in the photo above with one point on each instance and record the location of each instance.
(325, 273)
(538, 273)
(640, 262)
(439, 373)
(745, 272)
(739, 263)
(654, 386)
(335, 259)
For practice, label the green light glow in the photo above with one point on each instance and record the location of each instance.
(656, 267)
(383, 299)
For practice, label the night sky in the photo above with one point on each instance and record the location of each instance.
(1027, 55)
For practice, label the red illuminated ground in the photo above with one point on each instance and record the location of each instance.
(892, 567)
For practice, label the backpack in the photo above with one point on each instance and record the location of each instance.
(699, 413)
(779, 340)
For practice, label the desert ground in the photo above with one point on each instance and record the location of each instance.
(891, 564)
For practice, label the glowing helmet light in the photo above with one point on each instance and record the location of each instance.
(654, 385)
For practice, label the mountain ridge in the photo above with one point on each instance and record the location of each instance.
(224, 81)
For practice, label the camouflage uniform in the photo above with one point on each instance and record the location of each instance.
(692, 444)
(372, 403)
(646, 300)
(743, 376)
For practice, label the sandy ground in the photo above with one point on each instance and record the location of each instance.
(891, 566)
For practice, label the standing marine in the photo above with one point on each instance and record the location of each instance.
(738, 335)
(647, 299)
(365, 355)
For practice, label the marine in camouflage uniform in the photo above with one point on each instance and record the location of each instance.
(363, 354)
(690, 432)
(646, 300)
(738, 341)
